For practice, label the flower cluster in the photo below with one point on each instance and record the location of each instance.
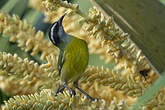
(117, 88)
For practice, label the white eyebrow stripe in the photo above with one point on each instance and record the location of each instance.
(52, 29)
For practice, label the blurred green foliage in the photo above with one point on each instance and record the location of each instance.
(162, 1)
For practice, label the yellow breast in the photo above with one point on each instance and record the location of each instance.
(76, 58)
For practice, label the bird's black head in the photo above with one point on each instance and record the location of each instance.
(56, 31)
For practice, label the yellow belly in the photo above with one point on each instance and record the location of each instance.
(76, 60)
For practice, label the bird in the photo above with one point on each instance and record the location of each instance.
(72, 60)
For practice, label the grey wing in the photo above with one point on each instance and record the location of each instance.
(60, 61)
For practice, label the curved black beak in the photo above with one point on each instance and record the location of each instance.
(61, 19)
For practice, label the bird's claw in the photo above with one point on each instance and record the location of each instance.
(72, 92)
(92, 99)
(97, 99)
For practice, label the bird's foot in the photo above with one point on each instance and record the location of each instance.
(59, 89)
(92, 99)
(88, 96)
(72, 92)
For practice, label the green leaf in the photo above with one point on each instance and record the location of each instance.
(9, 5)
